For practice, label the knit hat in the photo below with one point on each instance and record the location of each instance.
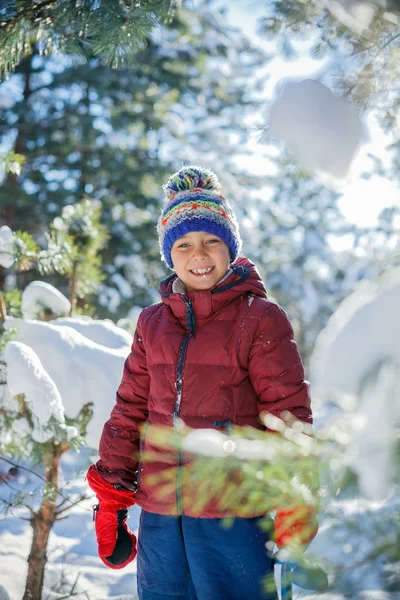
(193, 203)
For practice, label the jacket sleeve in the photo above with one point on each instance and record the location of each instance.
(120, 440)
(275, 368)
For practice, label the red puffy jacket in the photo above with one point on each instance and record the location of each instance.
(209, 358)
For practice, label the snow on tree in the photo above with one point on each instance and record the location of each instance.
(26, 375)
(96, 367)
(322, 131)
(355, 376)
(40, 296)
(4, 595)
(355, 14)
(6, 247)
(359, 52)
(358, 15)
(357, 357)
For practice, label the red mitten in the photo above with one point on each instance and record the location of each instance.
(295, 526)
(116, 542)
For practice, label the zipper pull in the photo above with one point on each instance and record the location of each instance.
(95, 509)
(190, 318)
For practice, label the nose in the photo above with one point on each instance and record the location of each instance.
(199, 252)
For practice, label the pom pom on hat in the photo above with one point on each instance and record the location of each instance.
(189, 178)
(193, 202)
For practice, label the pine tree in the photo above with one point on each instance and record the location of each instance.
(75, 240)
(116, 135)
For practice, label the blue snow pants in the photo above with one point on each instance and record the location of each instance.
(185, 558)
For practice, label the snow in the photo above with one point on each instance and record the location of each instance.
(376, 436)
(309, 303)
(82, 370)
(39, 295)
(212, 443)
(359, 335)
(356, 361)
(6, 247)
(26, 375)
(72, 548)
(305, 116)
(355, 14)
(123, 286)
(129, 322)
(206, 442)
(102, 332)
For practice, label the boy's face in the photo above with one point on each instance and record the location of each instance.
(200, 260)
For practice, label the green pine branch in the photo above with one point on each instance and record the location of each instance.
(112, 30)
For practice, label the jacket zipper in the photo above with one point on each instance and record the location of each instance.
(191, 326)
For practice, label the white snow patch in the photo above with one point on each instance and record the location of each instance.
(40, 295)
(213, 443)
(357, 357)
(207, 442)
(322, 131)
(26, 375)
(363, 331)
(6, 247)
(102, 332)
(355, 14)
(371, 453)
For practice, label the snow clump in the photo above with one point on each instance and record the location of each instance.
(356, 363)
(6, 247)
(39, 296)
(323, 132)
(26, 375)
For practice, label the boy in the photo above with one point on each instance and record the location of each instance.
(214, 353)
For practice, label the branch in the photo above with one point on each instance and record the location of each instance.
(63, 510)
(30, 12)
(22, 467)
(390, 40)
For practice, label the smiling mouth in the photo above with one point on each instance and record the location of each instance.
(202, 272)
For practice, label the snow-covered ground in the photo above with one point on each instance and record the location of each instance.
(73, 552)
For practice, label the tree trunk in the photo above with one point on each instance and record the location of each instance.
(42, 523)
(38, 555)
(73, 288)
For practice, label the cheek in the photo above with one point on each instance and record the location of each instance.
(225, 256)
(177, 260)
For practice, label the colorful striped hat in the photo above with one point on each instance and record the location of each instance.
(193, 203)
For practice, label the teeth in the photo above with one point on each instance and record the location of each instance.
(202, 271)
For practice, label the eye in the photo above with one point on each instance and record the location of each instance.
(213, 241)
(183, 245)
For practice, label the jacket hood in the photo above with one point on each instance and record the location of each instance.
(244, 279)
